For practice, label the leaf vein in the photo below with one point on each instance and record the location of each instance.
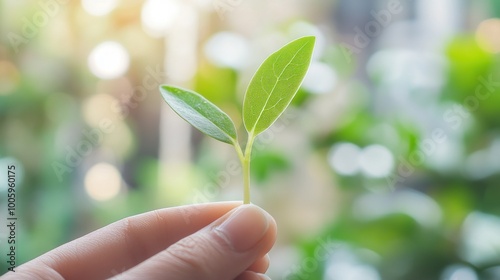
(276, 84)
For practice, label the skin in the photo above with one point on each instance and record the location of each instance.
(188, 242)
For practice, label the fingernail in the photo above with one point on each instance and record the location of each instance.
(252, 275)
(244, 228)
(264, 277)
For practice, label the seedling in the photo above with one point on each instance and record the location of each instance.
(269, 93)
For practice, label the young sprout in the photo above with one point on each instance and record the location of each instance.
(269, 93)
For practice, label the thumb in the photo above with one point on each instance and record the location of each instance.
(222, 250)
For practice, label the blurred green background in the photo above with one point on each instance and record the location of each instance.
(387, 166)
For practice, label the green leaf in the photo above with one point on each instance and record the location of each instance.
(274, 85)
(200, 113)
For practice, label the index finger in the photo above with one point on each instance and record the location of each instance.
(119, 246)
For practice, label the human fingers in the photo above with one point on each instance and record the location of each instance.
(222, 250)
(261, 265)
(123, 244)
(250, 275)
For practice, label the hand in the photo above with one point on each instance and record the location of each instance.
(207, 241)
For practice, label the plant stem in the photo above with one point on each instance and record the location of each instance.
(245, 159)
(245, 164)
(246, 180)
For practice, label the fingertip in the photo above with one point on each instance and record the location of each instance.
(261, 265)
(222, 250)
(245, 227)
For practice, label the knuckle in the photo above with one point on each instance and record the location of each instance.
(193, 254)
(38, 272)
(135, 248)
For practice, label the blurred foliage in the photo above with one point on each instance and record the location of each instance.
(419, 228)
(266, 163)
(404, 248)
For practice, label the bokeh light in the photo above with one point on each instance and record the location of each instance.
(376, 161)
(157, 16)
(226, 49)
(417, 205)
(459, 272)
(343, 264)
(109, 60)
(99, 7)
(351, 271)
(103, 182)
(488, 35)
(320, 78)
(480, 238)
(344, 158)
(348, 159)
